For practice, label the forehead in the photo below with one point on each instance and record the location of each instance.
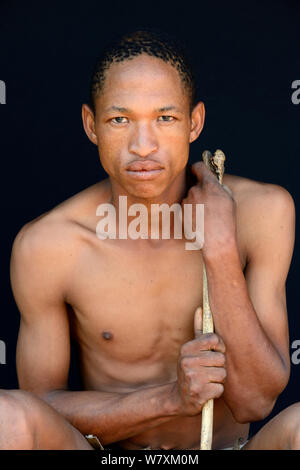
(143, 78)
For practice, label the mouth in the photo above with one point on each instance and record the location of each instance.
(144, 170)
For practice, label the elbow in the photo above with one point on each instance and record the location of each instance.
(257, 410)
(259, 405)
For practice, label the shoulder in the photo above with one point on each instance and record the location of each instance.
(265, 215)
(256, 198)
(51, 243)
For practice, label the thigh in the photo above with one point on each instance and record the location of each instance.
(50, 429)
(278, 433)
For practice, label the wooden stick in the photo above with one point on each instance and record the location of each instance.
(216, 165)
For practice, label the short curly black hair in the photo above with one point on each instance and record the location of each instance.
(148, 41)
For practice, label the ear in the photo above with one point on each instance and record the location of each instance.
(197, 121)
(88, 120)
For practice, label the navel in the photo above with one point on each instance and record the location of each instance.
(107, 335)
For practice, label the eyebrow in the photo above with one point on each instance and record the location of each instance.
(120, 109)
(169, 108)
(117, 108)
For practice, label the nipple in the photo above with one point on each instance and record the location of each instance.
(107, 335)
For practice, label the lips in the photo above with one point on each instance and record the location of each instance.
(145, 170)
(145, 165)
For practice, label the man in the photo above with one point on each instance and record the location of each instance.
(130, 304)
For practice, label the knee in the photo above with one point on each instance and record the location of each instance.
(293, 425)
(16, 424)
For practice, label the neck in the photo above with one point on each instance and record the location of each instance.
(172, 195)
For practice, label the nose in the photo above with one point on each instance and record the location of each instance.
(143, 141)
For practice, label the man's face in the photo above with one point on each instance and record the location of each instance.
(143, 126)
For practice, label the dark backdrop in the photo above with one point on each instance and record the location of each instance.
(246, 57)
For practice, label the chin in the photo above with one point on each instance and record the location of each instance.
(145, 193)
(146, 190)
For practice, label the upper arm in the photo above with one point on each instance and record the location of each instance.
(43, 347)
(270, 245)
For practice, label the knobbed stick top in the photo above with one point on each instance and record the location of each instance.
(215, 163)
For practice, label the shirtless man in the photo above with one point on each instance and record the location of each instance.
(130, 304)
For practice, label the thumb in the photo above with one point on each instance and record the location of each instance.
(198, 322)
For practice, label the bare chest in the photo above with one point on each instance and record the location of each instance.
(135, 307)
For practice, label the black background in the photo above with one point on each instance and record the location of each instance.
(246, 54)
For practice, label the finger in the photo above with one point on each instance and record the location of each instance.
(198, 322)
(216, 374)
(204, 342)
(200, 170)
(213, 342)
(213, 390)
(205, 359)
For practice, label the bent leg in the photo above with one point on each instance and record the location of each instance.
(27, 422)
(280, 433)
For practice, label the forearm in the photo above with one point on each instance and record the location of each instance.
(112, 416)
(255, 370)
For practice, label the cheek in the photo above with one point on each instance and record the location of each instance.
(179, 135)
(110, 151)
(178, 145)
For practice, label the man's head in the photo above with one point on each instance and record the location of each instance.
(153, 43)
(142, 112)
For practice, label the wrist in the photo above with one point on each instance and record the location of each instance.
(171, 401)
(219, 249)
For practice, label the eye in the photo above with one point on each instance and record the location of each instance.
(119, 120)
(166, 118)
